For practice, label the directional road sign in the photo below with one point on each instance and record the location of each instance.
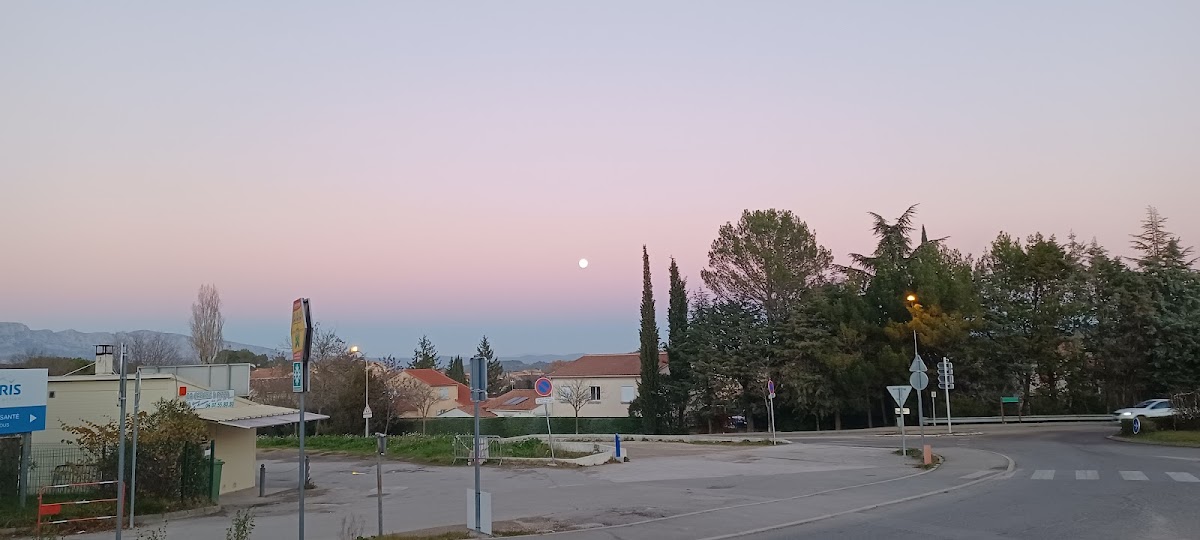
(899, 393)
(543, 387)
(22, 400)
(918, 380)
(917, 364)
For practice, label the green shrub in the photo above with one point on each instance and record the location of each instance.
(512, 426)
(1148, 425)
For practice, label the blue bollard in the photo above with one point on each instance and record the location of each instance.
(618, 444)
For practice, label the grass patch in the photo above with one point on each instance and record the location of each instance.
(429, 449)
(1177, 438)
(12, 516)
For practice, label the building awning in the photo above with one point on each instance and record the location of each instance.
(256, 416)
(268, 421)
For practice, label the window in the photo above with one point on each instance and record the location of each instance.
(628, 393)
(1162, 405)
(595, 392)
(443, 393)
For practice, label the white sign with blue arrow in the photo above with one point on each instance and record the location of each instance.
(23, 400)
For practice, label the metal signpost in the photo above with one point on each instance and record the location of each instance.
(544, 388)
(900, 395)
(137, 401)
(380, 449)
(121, 446)
(23, 395)
(771, 407)
(919, 380)
(946, 383)
(301, 352)
(479, 507)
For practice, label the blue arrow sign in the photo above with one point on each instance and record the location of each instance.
(22, 419)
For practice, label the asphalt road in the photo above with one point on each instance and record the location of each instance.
(1069, 482)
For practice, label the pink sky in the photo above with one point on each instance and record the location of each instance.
(439, 168)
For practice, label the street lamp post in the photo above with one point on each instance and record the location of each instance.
(366, 392)
(912, 299)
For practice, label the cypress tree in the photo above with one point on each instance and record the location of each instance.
(650, 388)
(678, 361)
(456, 370)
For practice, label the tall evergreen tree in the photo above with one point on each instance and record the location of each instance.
(1173, 288)
(456, 370)
(495, 369)
(678, 350)
(650, 391)
(425, 356)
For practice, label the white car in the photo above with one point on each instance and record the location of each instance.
(1151, 408)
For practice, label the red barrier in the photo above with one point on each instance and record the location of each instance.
(53, 509)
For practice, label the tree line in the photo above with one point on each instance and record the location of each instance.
(1065, 325)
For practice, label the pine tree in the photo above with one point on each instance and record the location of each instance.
(495, 370)
(425, 356)
(456, 370)
(650, 388)
(678, 350)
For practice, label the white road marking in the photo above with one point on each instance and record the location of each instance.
(1133, 475)
(976, 474)
(1087, 475)
(1183, 477)
(1043, 475)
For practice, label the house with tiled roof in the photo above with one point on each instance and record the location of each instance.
(610, 381)
(512, 403)
(449, 394)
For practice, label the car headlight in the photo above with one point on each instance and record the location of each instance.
(1126, 413)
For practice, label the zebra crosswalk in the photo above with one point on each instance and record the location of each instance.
(1087, 474)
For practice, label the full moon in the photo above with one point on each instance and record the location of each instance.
(583, 263)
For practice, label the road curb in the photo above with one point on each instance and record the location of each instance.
(1009, 469)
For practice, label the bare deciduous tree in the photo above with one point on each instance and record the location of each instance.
(208, 324)
(414, 395)
(153, 349)
(576, 394)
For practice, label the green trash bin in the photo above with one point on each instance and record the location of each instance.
(215, 487)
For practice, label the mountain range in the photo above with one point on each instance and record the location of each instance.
(17, 340)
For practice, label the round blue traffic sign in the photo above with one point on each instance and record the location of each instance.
(770, 386)
(543, 387)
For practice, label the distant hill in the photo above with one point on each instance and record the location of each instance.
(534, 361)
(17, 340)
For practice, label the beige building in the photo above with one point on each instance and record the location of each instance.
(232, 420)
(610, 381)
(449, 394)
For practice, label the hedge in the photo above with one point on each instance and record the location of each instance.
(1147, 426)
(512, 426)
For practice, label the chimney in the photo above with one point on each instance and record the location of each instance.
(104, 359)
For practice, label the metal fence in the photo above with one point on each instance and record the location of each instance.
(186, 477)
(490, 447)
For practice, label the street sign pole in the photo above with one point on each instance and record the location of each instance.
(301, 353)
(137, 401)
(771, 408)
(900, 396)
(121, 450)
(545, 388)
(949, 429)
(381, 449)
